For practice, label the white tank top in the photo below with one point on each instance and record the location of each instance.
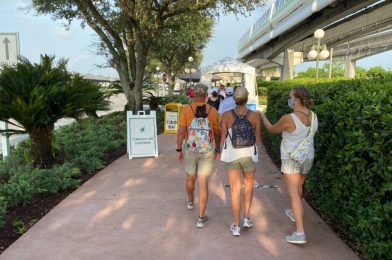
(289, 140)
(230, 153)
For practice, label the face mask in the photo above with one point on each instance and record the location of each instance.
(290, 102)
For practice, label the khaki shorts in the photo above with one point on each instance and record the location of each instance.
(290, 166)
(202, 164)
(245, 164)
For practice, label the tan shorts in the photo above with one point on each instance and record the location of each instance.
(202, 164)
(290, 166)
(245, 164)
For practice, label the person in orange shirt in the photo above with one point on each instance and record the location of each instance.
(198, 130)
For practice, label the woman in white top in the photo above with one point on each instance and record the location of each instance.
(294, 128)
(240, 159)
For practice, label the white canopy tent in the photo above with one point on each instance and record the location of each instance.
(233, 67)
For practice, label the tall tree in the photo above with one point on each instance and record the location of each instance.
(129, 29)
(186, 36)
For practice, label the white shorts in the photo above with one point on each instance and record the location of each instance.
(290, 166)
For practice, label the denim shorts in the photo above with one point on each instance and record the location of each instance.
(290, 166)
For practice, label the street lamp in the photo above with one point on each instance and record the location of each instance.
(190, 70)
(318, 51)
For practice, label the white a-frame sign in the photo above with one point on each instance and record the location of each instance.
(142, 134)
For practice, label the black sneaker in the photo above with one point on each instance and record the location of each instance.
(202, 221)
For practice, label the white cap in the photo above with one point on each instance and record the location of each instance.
(229, 90)
(214, 90)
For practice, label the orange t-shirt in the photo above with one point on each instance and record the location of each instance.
(187, 116)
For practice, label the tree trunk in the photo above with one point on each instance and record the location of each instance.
(171, 84)
(41, 146)
(126, 85)
(141, 63)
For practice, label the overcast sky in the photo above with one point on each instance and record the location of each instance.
(40, 34)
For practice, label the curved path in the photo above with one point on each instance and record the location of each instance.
(135, 209)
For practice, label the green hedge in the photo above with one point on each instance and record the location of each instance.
(351, 180)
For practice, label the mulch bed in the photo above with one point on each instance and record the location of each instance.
(29, 214)
(311, 200)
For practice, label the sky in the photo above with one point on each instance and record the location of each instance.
(40, 35)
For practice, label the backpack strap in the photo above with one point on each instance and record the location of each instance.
(209, 110)
(237, 115)
(234, 113)
(246, 114)
(193, 111)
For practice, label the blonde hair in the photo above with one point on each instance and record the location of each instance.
(241, 96)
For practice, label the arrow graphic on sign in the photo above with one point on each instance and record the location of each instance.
(6, 42)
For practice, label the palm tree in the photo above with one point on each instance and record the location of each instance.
(34, 96)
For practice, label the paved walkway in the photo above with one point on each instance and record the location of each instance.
(135, 209)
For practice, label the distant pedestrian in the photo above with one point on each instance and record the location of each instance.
(198, 130)
(228, 103)
(297, 153)
(240, 133)
(222, 92)
(214, 99)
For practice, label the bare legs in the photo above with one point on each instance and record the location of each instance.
(202, 180)
(248, 191)
(294, 182)
(235, 188)
(203, 194)
(190, 185)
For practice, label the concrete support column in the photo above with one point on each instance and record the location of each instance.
(350, 68)
(5, 144)
(288, 65)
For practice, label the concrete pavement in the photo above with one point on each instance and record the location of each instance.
(136, 209)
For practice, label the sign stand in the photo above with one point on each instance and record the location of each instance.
(142, 138)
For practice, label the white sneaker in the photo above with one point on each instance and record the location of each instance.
(235, 229)
(296, 238)
(202, 221)
(290, 214)
(247, 222)
(190, 205)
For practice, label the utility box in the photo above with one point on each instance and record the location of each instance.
(172, 118)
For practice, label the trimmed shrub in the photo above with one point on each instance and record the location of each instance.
(83, 144)
(351, 180)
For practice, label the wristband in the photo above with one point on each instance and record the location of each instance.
(179, 150)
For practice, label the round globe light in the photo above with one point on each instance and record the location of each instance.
(312, 55)
(193, 70)
(190, 58)
(319, 34)
(324, 54)
(187, 70)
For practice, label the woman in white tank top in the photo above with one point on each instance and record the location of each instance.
(294, 128)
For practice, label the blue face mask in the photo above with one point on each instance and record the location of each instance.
(290, 102)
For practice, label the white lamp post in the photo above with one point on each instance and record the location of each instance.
(157, 77)
(318, 51)
(190, 70)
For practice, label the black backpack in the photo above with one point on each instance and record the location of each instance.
(243, 134)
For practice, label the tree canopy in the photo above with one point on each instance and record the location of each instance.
(129, 29)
